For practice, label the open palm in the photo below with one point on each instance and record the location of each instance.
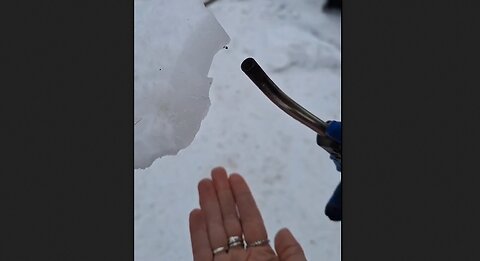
(227, 208)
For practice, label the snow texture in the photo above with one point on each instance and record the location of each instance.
(290, 176)
(175, 42)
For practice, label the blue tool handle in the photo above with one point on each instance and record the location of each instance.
(334, 130)
(334, 206)
(333, 133)
(333, 210)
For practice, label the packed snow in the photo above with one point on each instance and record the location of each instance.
(171, 64)
(298, 45)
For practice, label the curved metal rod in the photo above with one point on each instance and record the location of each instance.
(251, 68)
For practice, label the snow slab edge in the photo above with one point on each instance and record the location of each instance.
(174, 46)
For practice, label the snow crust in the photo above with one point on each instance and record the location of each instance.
(174, 44)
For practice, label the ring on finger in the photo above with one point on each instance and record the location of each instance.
(239, 243)
(234, 241)
(258, 243)
(219, 250)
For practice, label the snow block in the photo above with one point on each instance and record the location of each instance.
(174, 45)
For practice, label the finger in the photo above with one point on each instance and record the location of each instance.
(213, 216)
(287, 247)
(251, 220)
(198, 235)
(227, 202)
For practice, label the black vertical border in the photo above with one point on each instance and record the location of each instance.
(410, 146)
(66, 188)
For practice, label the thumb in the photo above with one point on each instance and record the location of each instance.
(287, 247)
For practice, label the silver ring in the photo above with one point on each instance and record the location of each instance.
(259, 243)
(234, 241)
(219, 250)
(238, 243)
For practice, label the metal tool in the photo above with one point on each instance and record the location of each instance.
(253, 70)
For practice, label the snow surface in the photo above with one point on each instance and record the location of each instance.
(170, 70)
(291, 177)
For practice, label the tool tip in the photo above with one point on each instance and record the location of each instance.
(248, 64)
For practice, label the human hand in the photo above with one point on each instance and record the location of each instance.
(218, 220)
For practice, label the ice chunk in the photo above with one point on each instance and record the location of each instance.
(174, 45)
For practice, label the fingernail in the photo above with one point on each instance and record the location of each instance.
(218, 168)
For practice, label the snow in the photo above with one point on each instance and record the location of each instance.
(291, 177)
(170, 71)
